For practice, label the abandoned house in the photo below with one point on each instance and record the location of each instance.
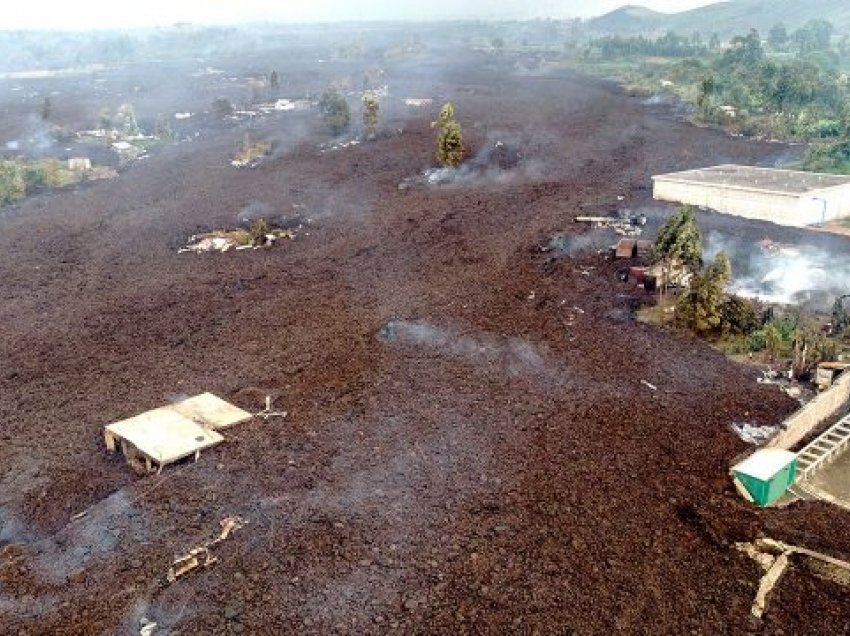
(168, 434)
(79, 164)
(784, 197)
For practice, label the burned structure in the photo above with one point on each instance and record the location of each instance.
(784, 197)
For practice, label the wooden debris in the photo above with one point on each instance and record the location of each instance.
(774, 557)
(768, 582)
(267, 412)
(201, 556)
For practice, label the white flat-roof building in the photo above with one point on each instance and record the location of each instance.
(785, 197)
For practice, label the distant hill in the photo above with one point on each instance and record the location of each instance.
(725, 18)
(628, 19)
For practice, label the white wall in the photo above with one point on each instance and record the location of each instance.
(809, 417)
(783, 209)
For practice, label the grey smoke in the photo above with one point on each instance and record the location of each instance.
(571, 245)
(514, 356)
(256, 210)
(94, 535)
(497, 162)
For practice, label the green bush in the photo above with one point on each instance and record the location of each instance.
(756, 341)
(740, 316)
(13, 186)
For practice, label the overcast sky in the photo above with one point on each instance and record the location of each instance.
(81, 14)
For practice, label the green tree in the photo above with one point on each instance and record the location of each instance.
(740, 316)
(46, 109)
(773, 342)
(163, 129)
(813, 36)
(370, 115)
(126, 120)
(449, 138)
(701, 308)
(844, 45)
(811, 347)
(222, 107)
(778, 36)
(840, 315)
(335, 111)
(714, 42)
(104, 119)
(744, 52)
(707, 87)
(680, 239)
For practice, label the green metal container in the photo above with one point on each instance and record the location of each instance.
(767, 474)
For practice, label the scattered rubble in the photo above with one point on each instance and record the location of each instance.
(625, 223)
(260, 235)
(339, 145)
(753, 433)
(285, 105)
(418, 102)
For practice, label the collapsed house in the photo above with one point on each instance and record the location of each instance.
(784, 197)
(627, 248)
(661, 275)
(168, 434)
(653, 277)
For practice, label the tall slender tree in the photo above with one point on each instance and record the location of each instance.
(449, 138)
(370, 115)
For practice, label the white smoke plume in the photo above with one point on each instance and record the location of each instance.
(783, 274)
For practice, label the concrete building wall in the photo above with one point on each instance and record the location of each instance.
(809, 417)
(837, 202)
(784, 209)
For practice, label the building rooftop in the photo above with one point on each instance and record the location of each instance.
(764, 179)
(765, 463)
(170, 433)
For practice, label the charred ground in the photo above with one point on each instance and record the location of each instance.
(461, 456)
